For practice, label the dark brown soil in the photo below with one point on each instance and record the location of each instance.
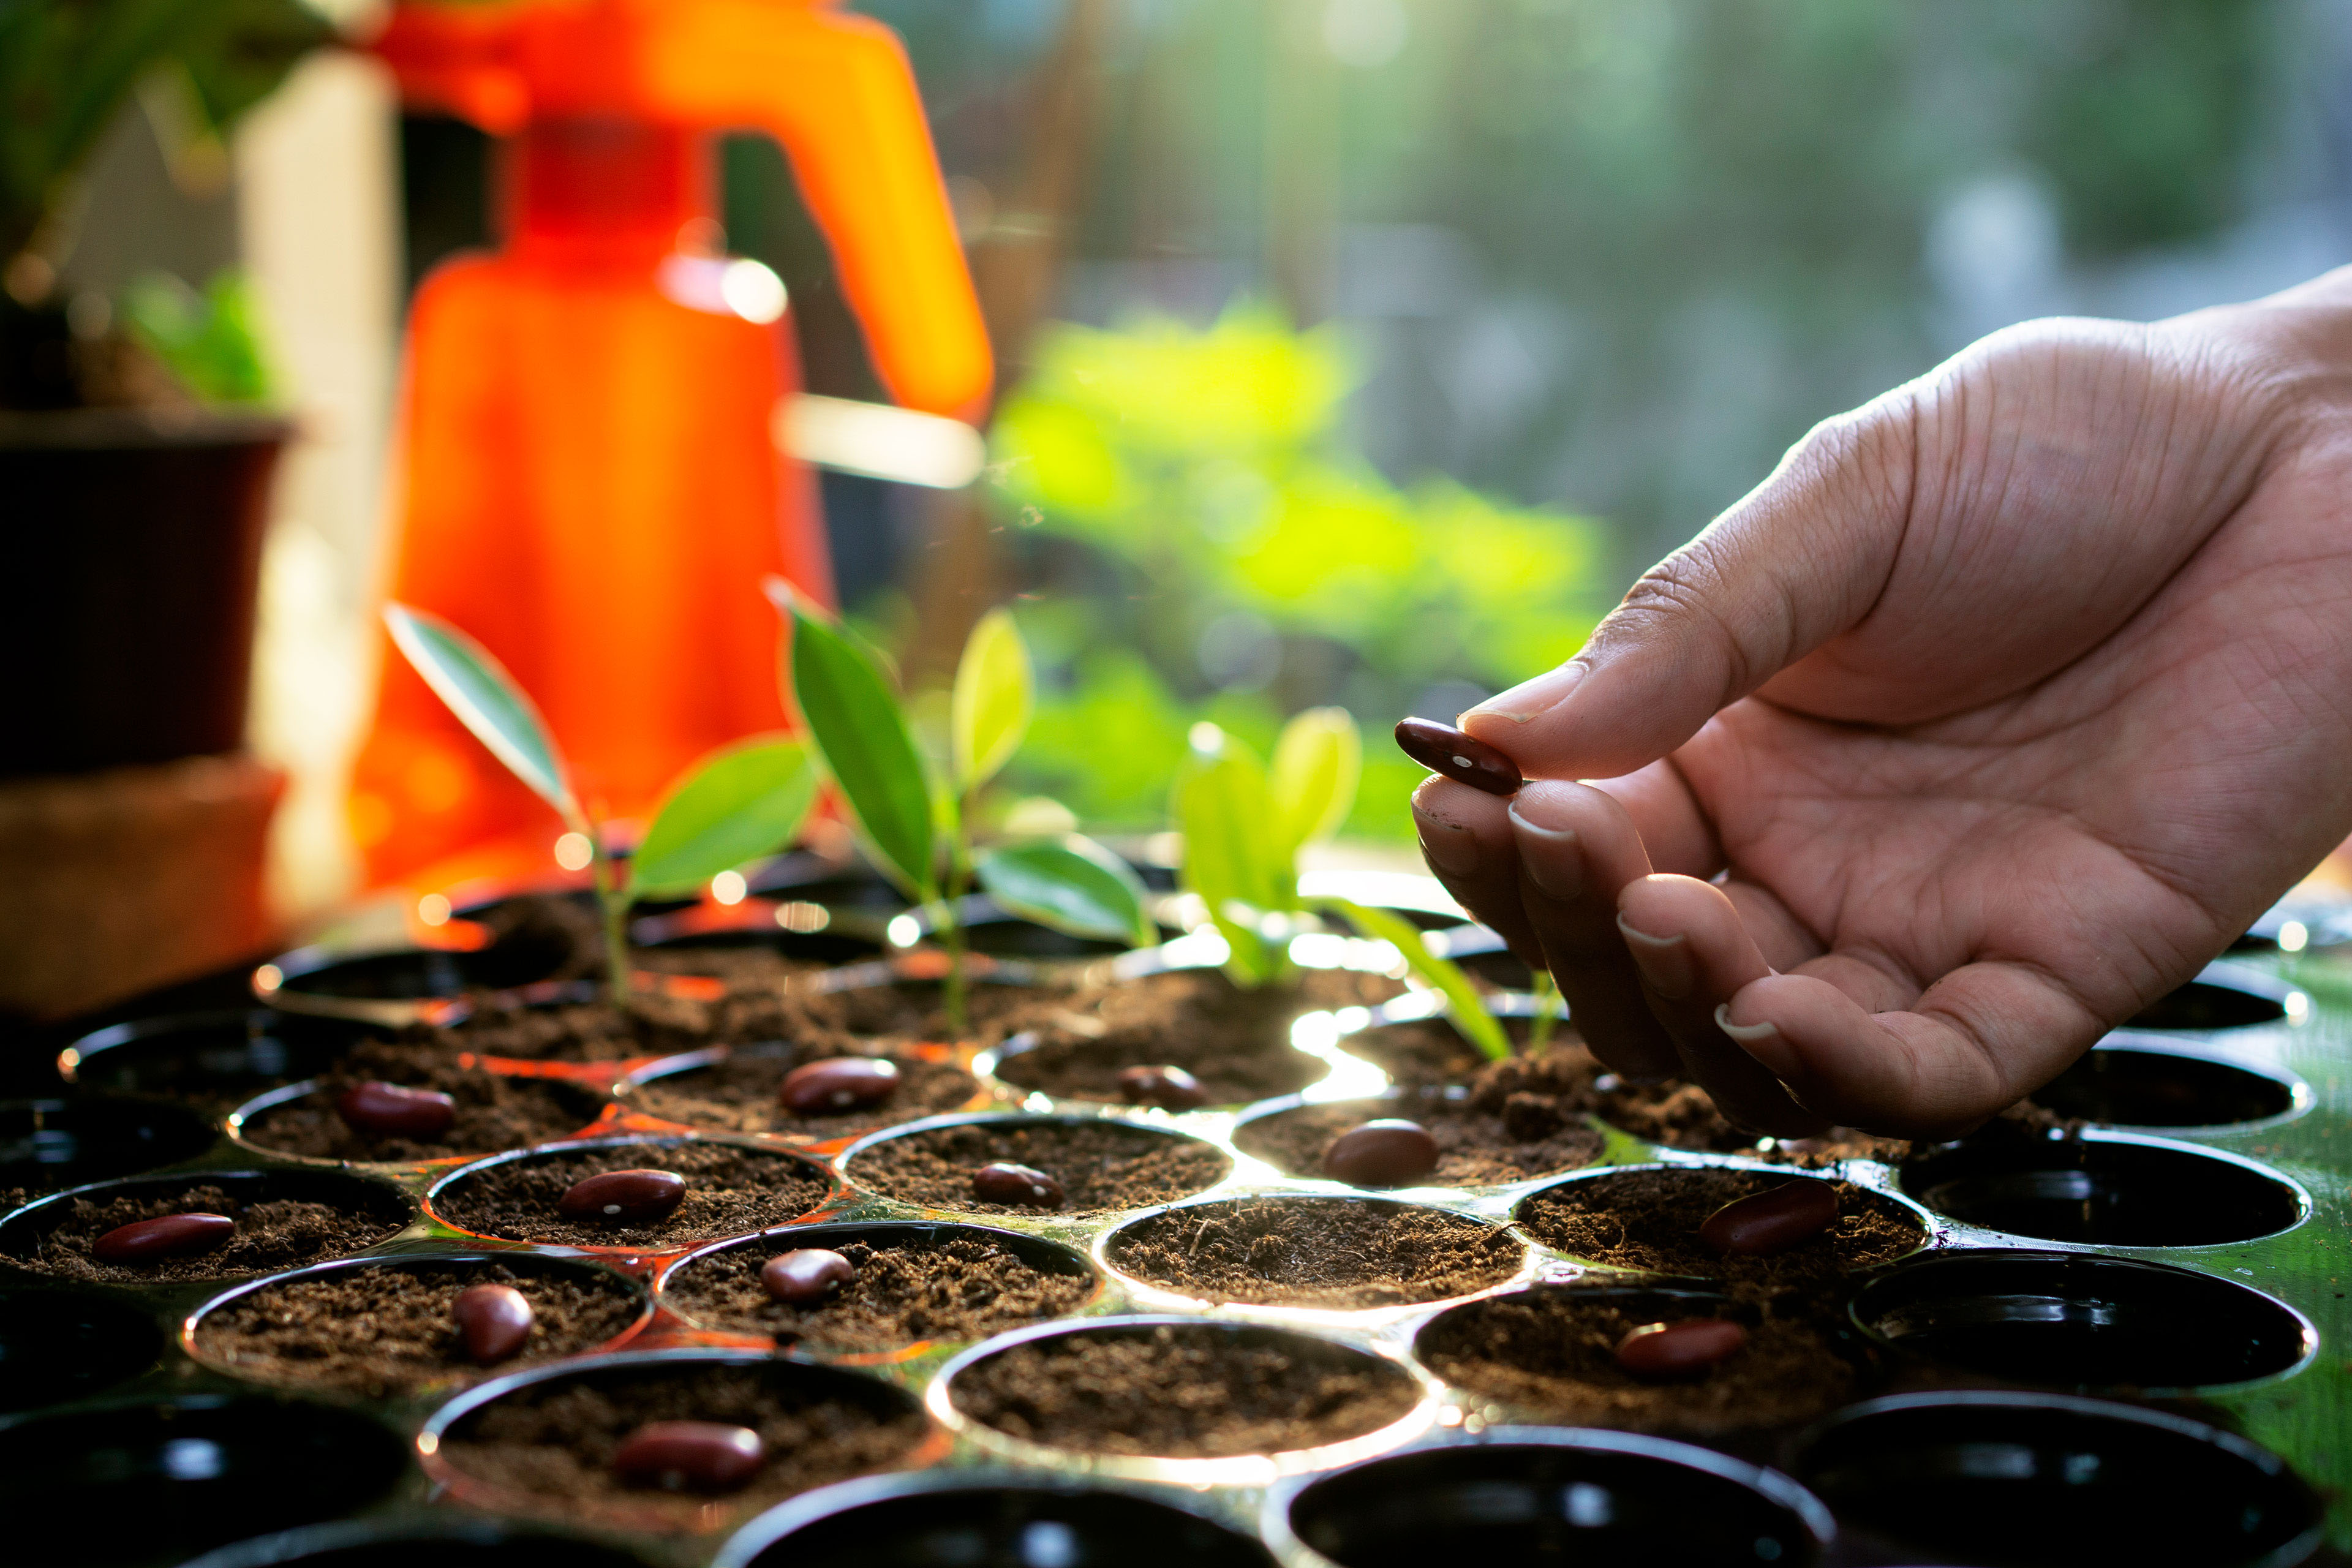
(494, 1114)
(1316, 1252)
(557, 1439)
(738, 1094)
(567, 932)
(1189, 1392)
(728, 1192)
(1553, 1349)
(1649, 1220)
(1236, 1042)
(387, 1329)
(913, 1286)
(1476, 1147)
(1101, 1165)
(272, 1234)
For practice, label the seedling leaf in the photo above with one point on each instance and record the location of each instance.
(1072, 885)
(860, 732)
(1463, 1004)
(994, 694)
(1316, 761)
(1224, 810)
(738, 804)
(476, 687)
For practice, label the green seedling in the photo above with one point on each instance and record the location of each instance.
(1549, 1007)
(739, 804)
(916, 823)
(1244, 828)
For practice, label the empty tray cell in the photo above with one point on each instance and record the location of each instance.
(2081, 1321)
(2048, 1478)
(2104, 1190)
(210, 1062)
(161, 1481)
(1100, 1165)
(1334, 1252)
(2150, 1085)
(366, 1543)
(55, 1346)
(1179, 1389)
(2224, 996)
(1523, 1497)
(730, 1190)
(284, 1219)
(45, 1144)
(969, 1521)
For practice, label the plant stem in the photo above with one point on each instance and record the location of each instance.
(1546, 992)
(951, 920)
(614, 904)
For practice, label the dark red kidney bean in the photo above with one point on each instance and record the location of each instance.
(1679, 1350)
(838, 1083)
(1005, 1183)
(1773, 1220)
(495, 1321)
(1168, 1087)
(624, 1196)
(1442, 749)
(805, 1276)
(168, 1235)
(1383, 1153)
(691, 1455)
(390, 1110)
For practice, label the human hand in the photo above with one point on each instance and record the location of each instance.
(2006, 702)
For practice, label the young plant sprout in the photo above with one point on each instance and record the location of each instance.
(918, 828)
(1244, 828)
(738, 805)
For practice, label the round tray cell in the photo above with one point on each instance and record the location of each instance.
(796, 934)
(2152, 1086)
(1568, 1497)
(495, 1113)
(1551, 1350)
(1647, 1217)
(161, 1481)
(1102, 1166)
(2223, 997)
(982, 1521)
(2104, 1192)
(209, 1061)
(735, 1090)
(731, 1190)
(1343, 1253)
(2081, 1321)
(1169, 1388)
(298, 1328)
(1483, 1139)
(406, 973)
(359, 1543)
(914, 1283)
(2047, 1478)
(285, 1219)
(55, 1347)
(545, 1440)
(45, 1144)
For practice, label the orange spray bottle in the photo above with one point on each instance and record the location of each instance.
(590, 484)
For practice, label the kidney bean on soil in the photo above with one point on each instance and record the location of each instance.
(691, 1455)
(1383, 1153)
(1005, 1183)
(807, 1275)
(627, 1196)
(390, 1111)
(1168, 1087)
(167, 1235)
(1442, 749)
(1679, 1350)
(838, 1083)
(1771, 1221)
(495, 1321)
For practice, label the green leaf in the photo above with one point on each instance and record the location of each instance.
(738, 804)
(476, 687)
(861, 733)
(1316, 761)
(1072, 885)
(1468, 1008)
(1226, 812)
(995, 693)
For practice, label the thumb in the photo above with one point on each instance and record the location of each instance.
(1798, 560)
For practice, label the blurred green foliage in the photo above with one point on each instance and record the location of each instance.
(1202, 475)
(212, 341)
(66, 66)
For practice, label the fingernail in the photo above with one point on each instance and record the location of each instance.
(1762, 1041)
(1664, 960)
(1451, 851)
(1550, 856)
(1530, 698)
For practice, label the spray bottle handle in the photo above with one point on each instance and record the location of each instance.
(837, 92)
